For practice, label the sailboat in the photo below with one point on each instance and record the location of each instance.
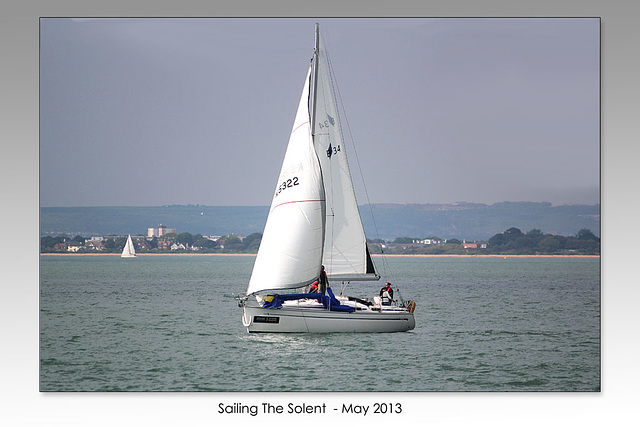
(314, 226)
(129, 251)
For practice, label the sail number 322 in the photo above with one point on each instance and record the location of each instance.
(287, 184)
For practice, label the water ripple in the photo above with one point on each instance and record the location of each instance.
(172, 324)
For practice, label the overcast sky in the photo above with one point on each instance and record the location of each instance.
(198, 111)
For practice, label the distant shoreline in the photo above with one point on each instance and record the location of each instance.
(140, 255)
(373, 255)
(483, 256)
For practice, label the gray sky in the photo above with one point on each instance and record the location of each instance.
(198, 111)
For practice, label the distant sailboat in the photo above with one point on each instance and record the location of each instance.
(129, 250)
(313, 223)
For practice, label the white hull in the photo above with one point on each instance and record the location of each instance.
(318, 320)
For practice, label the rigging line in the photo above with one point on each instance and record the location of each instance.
(336, 90)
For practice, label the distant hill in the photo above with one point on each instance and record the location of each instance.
(457, 220)
(479, 221)
(122, 220)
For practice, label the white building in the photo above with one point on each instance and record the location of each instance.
(162, 230)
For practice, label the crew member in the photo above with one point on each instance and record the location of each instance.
(323, 281)
(387, 294)
(314, 287)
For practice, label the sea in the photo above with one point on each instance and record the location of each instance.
(172, 323)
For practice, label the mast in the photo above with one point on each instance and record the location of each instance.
(316, 51)
(316, 63)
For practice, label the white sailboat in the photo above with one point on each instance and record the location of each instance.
(313, 222)
(129, 250)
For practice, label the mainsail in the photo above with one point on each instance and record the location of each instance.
(291, 248)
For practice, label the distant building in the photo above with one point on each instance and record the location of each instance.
(164, 244)
(478, 244)
(160, 231)
(74, 246)
(94, 244)
(428, 241)
(142, 243)
(60, 247)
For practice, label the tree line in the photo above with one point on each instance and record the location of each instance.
(514, 241)
(231, 243)
(510, 242)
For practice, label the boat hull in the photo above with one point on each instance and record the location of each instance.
(315, 320)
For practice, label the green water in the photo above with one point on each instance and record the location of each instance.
(172, 324)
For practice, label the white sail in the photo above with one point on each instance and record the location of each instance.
(290, 252)
(345, 249)
(129, 250)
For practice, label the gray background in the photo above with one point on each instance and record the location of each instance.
(19, 318)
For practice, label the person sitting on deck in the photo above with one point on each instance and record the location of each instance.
(387, 294)
(314, 287)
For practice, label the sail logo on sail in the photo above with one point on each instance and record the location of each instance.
(325, 124)
(332, 150)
